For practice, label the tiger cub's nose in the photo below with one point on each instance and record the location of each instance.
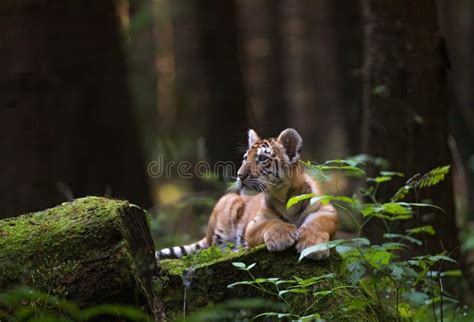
(242, 175)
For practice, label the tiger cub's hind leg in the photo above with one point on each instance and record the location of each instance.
(227, 226)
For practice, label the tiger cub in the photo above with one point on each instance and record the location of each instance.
(257, 214)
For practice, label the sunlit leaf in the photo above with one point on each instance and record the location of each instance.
(423, 229)
(404, 310)
(239, 265)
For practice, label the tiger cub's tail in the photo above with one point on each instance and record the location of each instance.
(180, 251)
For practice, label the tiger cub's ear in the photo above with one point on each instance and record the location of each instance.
(253, 137)
(292, 142)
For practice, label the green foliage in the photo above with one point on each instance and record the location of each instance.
(429, 179)
(27, 304)
(407, 289)
(282, 289)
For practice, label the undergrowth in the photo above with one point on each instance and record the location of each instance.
(407, 289)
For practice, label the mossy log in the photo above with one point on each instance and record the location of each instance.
(196, 283)
(90, 251)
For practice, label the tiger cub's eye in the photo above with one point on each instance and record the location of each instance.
(262, 158)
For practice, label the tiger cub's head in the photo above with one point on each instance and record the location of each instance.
(267, 164)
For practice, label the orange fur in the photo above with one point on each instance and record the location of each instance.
(249, 220)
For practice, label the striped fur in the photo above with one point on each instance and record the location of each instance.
(179, 251)
(257, 214)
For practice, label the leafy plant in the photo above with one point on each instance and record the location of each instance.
(27, 304)
(407, 289)
(278, 288)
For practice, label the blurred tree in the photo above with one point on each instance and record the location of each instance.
(291, 57)
(183, 94)
(67, 128)
(263, 64)
(457, 24)
(312, 88)
(219, 46)
(139, 27)
(406, 105)
(346, 21)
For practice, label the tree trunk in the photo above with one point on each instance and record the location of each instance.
(219, 46)
(89, 251)
(66, 125)
(456, 20)
(194, 283)
(406, 106)
(260, 25)
(313, 86)
(346, 21)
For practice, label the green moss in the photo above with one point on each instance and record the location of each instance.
(71, 249)
(207, 257)
(42, 238)
(203, 279)
(42, 228)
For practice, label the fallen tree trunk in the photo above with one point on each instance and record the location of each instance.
(90, 251)
(199, 282)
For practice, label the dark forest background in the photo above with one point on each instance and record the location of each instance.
(93, 91)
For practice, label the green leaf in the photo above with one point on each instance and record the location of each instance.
(379, 179)
(343, 250)
(391, 174)
(402, 193)
(379, 258)
(404, 310)
(349, 162)
(452, 273)
(324, 199)
(294, 200)
(426, 205)
(357, 172)
(313, 318)
(403, 237)
(423, 229)
(272, 314)
(241, 283)
(294, 290)
(393, 246)
(397, 208)
(416, 297)
(357, 270)
(433, 177)
(322, 293)
(251, 266)
(240, 265)
(436, 258)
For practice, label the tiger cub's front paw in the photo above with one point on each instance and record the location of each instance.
(308, 238)
(280, 236)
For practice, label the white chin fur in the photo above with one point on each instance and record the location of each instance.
(248, 192)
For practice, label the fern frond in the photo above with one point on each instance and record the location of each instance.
(433, 177)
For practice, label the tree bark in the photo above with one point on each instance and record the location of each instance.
(219, 46)
(406, 105)
(456, 20)
(346, 21)
(263, 65)
(90, 251)
(312, 79)
(66, 124)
